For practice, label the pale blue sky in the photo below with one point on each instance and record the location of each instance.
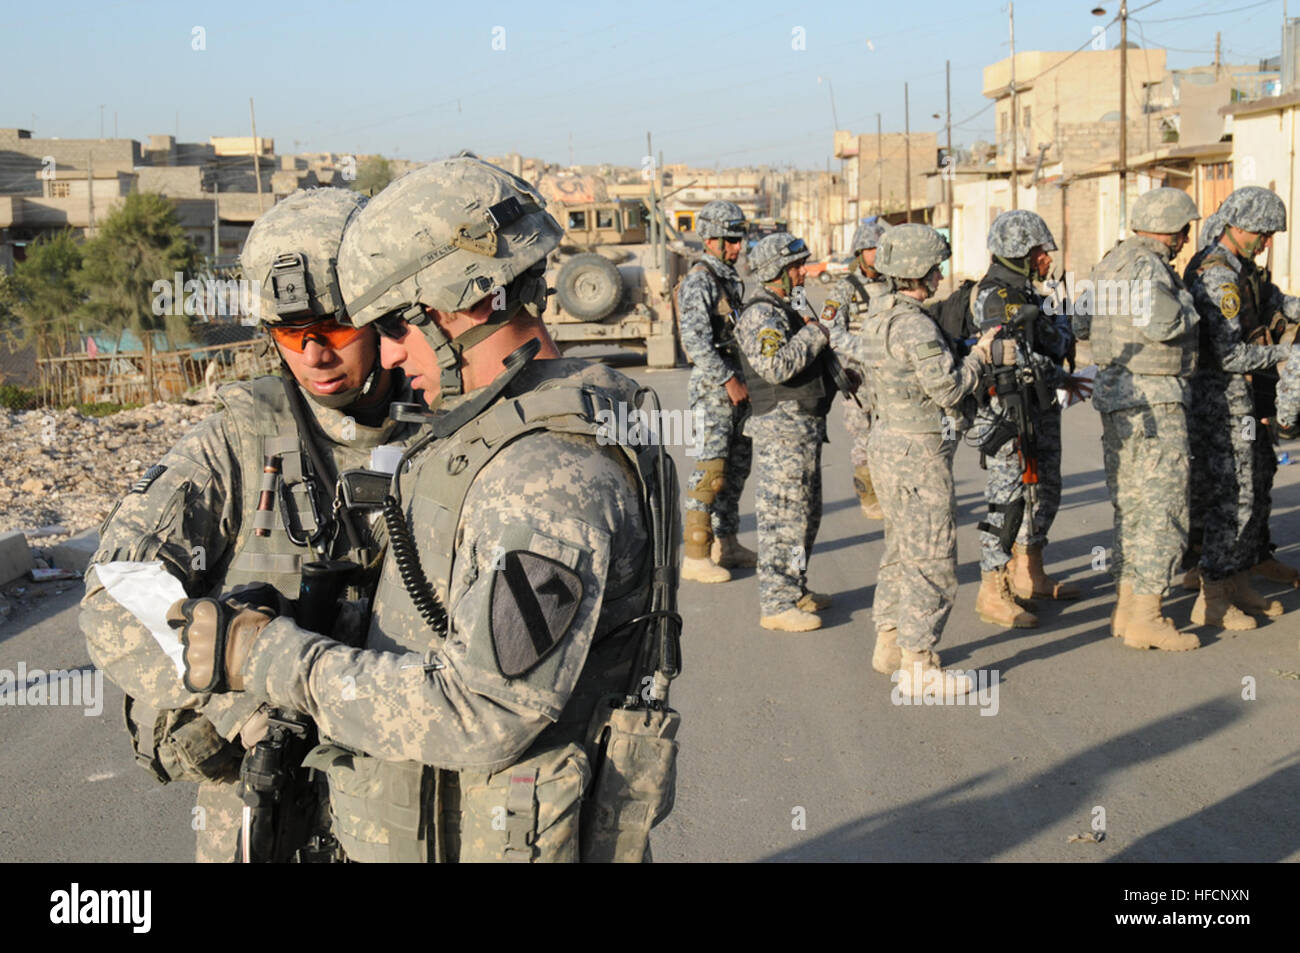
(716, 82)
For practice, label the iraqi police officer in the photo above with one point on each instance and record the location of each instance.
(918, 389)
(790, 393)
(521, 567)
(708, 301)
(1146, 355)
(849, 302)
(247, 496)
(1242, 314)
(1012, 569)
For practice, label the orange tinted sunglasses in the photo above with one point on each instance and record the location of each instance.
(328, 334)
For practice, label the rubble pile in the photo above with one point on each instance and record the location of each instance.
(62, 471)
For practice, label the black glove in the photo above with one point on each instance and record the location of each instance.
(219, 633)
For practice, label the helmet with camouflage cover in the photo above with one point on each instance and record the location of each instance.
(1016, 233)
(1255, 209)
(910, 251)
(774, 253)
(291, 251)
(867, 234)
(720, 219)
(445, 236)
(1163, 211)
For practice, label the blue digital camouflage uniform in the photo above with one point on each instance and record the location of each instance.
(1233, 462)
(917, 388)
(787, 451)
(708, 301)
(996, 298)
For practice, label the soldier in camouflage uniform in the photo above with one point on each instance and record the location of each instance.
(1242, 315)
(197, 511)
(790, 394)
(848, 303)
(918, 389)
(1019, 242)
(707, 300)
(1146, 356)
(469, 725)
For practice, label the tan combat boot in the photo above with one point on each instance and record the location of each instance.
(1028, 581)
(1248, 600)
(1147, 629)
(867, 494)
(1214, 607)
(814, 601)
(696, 564)
(791, 620)
(995, 605)
(1275, 570)
(729, 554)
(915, 669)
(1119, 615)
(887, 656)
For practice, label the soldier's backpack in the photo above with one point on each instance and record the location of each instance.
(954, 314)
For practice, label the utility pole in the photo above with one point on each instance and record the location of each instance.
(1015, 128)
(101, 120)
(654, 218)
(880, 169)
(1123, 118)
(907, 154)
(257, 162)
(114, 123)
(90, 196)
(1217, 37)
(951, 182)
(216, 221)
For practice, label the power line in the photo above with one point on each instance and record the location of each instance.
(1215, 13)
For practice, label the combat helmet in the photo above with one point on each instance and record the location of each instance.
(1163, 211)
(867, 234)
(1016, 233)
(774, 253)
(910, 251)
(445, 236)
(291, 251)
(720, 219)
(1253, 208)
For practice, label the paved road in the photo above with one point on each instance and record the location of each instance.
(791, 748)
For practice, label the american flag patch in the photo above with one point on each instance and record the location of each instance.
(146, 481)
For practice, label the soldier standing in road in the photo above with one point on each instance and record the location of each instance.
(525, 550)
(1234, 464)
(1019, 242)
(708, 300)
(1146, 358)
(790, 394)
(918, 388)
(199, 511)
(848, 303)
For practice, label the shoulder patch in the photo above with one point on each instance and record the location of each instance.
(1002, 292)
(928, 350)
(1229, 301)
(534, 599)
(1012, 309)
(829, 309)
(154, 472)
(769, 342)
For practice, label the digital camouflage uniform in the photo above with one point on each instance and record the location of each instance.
(916, 390)
(197, 514)
(708, 301)
(788, 438)
(1146, 358)
(1233, 462)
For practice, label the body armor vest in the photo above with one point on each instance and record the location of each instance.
(899, 400)
(1118, 339)
(812, 389)
(388, 811)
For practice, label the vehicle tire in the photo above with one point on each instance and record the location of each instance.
(589, 287)
(824, 277)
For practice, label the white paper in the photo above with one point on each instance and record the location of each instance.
(147, 591)
(1065, 398)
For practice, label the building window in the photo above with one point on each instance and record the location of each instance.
(577, 220)
(60, 190)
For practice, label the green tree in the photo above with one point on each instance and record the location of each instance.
(141, 242)
(373, 175)
(40, 303)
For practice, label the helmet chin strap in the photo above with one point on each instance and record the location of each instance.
(1019, 265)
(450, 351)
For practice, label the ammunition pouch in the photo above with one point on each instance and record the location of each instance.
(636, 781)
(179, 744)
(375, 805)
(1010, 528)
(997, 436)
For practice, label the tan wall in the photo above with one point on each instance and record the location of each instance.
(1263, 153)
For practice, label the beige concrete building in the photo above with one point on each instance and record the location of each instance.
(875, 172)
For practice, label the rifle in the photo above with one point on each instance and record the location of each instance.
(1017, 387)
(839, 376)
(284, 814)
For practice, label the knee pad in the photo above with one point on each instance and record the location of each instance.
(710, 480)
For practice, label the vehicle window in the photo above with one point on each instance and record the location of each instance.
(577, 220)
(605, 218)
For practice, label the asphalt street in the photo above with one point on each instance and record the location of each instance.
(791, 749)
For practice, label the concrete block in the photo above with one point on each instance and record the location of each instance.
(15, 558)
(74, 554)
